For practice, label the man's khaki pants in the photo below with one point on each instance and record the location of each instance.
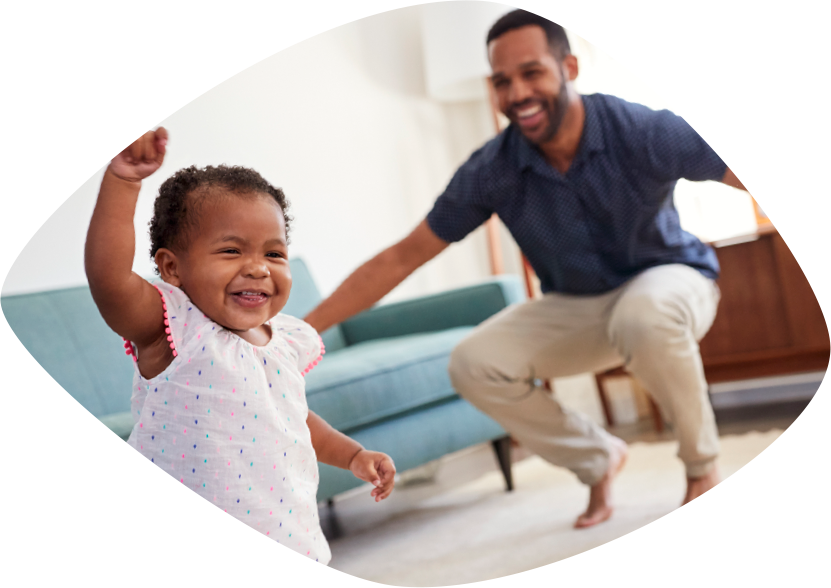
(651, 324)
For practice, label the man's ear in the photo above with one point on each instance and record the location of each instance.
(571, 67)
(168, 265)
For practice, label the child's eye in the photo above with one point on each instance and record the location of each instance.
(274, 254)
(230, 251)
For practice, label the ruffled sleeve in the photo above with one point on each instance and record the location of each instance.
(301, 339)
(182, 320)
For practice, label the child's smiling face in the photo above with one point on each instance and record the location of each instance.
(235, 268)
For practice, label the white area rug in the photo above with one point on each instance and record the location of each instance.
(463, 527)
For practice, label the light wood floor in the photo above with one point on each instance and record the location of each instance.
(452, 522)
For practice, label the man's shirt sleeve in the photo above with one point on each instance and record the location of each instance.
(670, 149)
(462, 207)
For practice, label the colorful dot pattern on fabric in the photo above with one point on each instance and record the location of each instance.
(266, 477)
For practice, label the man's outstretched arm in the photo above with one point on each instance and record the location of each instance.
(377, 277)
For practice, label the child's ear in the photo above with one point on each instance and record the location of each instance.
(168, 265)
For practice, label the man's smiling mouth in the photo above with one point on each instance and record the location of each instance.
(528, 111)
(530, 116)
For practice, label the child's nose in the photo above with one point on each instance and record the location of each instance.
(256, 269)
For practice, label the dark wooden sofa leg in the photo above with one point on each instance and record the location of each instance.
(502, 448)
(329, 522)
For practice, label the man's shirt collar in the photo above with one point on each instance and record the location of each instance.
(591, 141)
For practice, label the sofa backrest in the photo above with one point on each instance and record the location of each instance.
(65, 333)
(304, 297)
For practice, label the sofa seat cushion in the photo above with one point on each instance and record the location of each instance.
(381, 379)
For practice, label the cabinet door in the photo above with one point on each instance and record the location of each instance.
(805, 320)
(769, 321)
(752, 314)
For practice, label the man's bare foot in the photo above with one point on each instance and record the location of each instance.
(698, 486)
(600, 495)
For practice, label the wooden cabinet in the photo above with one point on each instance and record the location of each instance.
(769, 321)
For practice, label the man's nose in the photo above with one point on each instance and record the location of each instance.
(519, 92)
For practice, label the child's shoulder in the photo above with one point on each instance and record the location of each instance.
(171, 295)
(289, 327)
(288, 321)
(179, 305)
(182, 318)
(301, 337)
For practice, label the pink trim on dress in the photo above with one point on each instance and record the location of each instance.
(128, 345)
(319, 357)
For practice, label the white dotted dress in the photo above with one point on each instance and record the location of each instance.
(228, 420)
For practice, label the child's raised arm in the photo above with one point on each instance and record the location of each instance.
(129, 304)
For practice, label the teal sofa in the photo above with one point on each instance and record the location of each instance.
(382, 381)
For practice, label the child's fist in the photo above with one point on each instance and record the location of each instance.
(377, 469)
(141, 158)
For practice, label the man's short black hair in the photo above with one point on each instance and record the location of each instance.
(556, 35)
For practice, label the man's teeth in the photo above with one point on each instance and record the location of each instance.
(530, 111)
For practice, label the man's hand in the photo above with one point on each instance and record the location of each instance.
(142, 158)
(731, 180)
(377, 469)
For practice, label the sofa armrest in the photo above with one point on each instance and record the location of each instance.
(467, 306)
(120, 423)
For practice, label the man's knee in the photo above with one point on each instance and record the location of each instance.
(478, 361)
(645, 321)
(465, 364)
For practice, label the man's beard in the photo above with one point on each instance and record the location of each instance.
(556, 112)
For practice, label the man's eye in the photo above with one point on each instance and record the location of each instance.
(500, 83)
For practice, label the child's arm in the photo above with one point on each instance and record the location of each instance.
(334, 448)
(129, 304)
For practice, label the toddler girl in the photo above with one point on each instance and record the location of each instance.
(218, 395)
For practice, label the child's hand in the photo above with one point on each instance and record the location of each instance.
(141, 158)
(376, 468)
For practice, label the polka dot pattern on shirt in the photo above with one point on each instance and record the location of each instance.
(266, 476)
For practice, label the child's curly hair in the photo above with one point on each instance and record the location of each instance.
(181, 196)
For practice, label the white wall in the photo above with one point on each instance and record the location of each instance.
(343, 124)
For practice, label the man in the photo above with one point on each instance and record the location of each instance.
(585, 185)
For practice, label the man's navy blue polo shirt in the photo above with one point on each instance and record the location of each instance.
(609, 217)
